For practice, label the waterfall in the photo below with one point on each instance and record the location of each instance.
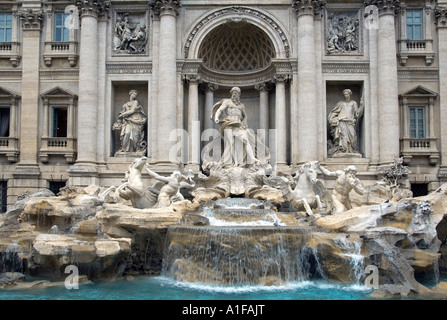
(238, 256)
(10, 260)
(352, 249)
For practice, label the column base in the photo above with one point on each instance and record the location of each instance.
(83, 175)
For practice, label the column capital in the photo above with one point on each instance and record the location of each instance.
(263, 86)
(281, 77)
(385, 6)
(92, 8)
(309, 7)
(31, 19)
(165, 7)
(192, 78)
(209, 86)
(441, 16)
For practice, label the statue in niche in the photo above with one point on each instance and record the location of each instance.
(343, 121)
(130, 123)
(241, 146)
(132, 37)
(344, 183)
(342, 33)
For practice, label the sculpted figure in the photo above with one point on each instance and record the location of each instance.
(131, 121)
(345, 182)
(170, 191)
(240, 144)
(342, 121)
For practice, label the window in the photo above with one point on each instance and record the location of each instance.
(60, 121)
(417, 122)
(61, 33)
(56, 186)
(419, 189)
(4, 121)
(3, 196)
(5, 27)
(414, 24)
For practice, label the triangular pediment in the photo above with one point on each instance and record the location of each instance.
(7, 93)
(419, 91)
(58, 92)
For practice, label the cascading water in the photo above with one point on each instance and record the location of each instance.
(239, 255)
(352, 249)
(10, 260)
(245, 244)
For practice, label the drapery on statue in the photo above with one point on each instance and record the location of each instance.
(131, 121)
(345, 182)
(343, 121)
(240, 146)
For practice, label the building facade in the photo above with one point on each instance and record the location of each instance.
(70, 69)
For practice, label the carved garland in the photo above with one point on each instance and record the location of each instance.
(238, 10)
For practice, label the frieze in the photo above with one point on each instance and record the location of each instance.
(345, 67)
(240, 11)
(129, 68)
(418, 74)
(59, 74)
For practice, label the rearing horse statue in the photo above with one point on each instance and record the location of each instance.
(302, 191)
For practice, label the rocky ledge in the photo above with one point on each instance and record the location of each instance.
(42, 234)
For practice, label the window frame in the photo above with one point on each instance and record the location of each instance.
(65, 32)
(6, 27)
(416, 121)
(413, 25)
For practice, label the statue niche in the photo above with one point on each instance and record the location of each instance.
(343, 122)
(130, 125)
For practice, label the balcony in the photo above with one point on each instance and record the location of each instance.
(58, 146)
(9, 147)
(65, 50)
(11, 51)
(416, 48)
(426, 147)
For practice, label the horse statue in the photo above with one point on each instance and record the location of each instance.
(304, 190)
(133, 188)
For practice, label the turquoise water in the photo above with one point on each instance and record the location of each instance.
(162, 288)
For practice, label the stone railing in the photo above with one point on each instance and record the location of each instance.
(58, 146)
(11, 51)
(427, 147)
(416, 48)
(55, 49)
(10, 148)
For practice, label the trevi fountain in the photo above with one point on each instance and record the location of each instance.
(236, 223)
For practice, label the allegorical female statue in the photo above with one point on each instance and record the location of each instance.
(130, 123)
(343, 124)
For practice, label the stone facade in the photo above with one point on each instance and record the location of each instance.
(292, 59)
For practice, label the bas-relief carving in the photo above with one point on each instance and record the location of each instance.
(130, 34)
(343, 33)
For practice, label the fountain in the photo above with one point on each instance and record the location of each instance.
(238, 222)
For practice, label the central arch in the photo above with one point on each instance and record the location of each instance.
(264, 21)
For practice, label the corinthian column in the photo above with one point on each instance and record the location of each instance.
(31, 26)
(387, 81)
(306, 135)
(167, 80)
(441, 16)
(84, 172)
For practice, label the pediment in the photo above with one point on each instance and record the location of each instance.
(419, 91)
(58, 92)
(8, 94)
